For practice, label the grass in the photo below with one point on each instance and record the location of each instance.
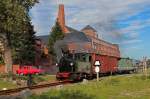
(37, 79)
(43, 78)
(6, 84)
(115, 87)
(48, 78)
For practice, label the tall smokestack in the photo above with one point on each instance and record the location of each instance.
(61, 18)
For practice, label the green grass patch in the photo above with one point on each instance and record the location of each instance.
(6, 84)
(48, 77)
(115, 87)
(44, 78)
(12, 81)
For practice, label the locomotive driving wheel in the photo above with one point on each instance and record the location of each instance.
(73, 76)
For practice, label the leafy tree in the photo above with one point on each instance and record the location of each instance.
(1, 60)
(55, 34)
(24, 51)
(15, 27)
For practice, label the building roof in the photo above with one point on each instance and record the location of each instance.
(88, 27)
(44, 38)
(76, 37)
(73, 36)
(71, 29)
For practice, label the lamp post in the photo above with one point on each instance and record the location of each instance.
(97, 69)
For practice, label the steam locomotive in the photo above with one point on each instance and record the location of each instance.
(69, 67)
(76, 67)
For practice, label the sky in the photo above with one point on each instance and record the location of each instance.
(125, 22)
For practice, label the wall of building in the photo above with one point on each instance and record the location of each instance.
(14, 68)
(90, 33)
(105, 48)
(43, 59)
(79, 47)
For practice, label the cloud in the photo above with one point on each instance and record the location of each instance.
(117, 21)
(85, 12)
(43, 17)
(132, 49)
(131, 41)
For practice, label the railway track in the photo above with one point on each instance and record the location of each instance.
(17, 90)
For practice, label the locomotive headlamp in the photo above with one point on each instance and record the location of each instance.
(71, 64)
(56, 64)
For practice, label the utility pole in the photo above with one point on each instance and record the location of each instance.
(145, 65)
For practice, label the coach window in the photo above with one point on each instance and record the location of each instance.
(83, 57)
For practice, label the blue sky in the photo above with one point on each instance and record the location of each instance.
(126, 22)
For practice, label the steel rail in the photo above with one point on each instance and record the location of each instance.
(17, 90)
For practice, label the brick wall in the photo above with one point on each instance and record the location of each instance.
(90, 33)
(2, 69)
(14, 68)
(80, 47)
(105, 48)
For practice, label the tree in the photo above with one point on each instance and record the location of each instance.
(148, 62)
(14, 26)
(55, 34)
(24, 50)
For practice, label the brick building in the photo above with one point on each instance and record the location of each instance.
(87, 34)
(86, 45)
(43, 60)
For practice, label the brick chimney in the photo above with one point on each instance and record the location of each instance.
(61, 18)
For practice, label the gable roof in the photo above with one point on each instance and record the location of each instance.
(88, 27)
(71, 29)
(76, 37)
